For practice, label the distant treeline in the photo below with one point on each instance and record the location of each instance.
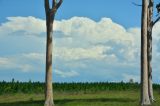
(38, 87)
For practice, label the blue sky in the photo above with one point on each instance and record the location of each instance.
(94, 40)
(120, 11)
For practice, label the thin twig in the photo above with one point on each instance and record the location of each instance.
(136, 4)
(156, 21)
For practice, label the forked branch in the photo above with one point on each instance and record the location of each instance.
(55, 6)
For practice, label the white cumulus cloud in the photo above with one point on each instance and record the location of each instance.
(105, 44)
(65, 74)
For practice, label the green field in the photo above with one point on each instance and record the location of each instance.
(108, 98)
(17, 93)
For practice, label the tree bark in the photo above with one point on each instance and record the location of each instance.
(149, 49)
(144, 67)
(50, 15)
(48, 92)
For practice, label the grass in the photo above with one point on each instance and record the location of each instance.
(110, 98)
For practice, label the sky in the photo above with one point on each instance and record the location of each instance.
(94, 40)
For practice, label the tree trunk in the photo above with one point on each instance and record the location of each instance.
(50, 15)
(48, 91)
(149, 49)
(150, 84)
(144, 67)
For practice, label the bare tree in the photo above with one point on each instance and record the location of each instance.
(50, 15)
(144, 60)
(149, 48)
(151, 24)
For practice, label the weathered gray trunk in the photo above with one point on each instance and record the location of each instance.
(150, 68)
(150, 83)
(48, 91)
(144, 66)
(149, 49)
(50, 14)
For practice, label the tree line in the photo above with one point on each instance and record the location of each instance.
(79, 87)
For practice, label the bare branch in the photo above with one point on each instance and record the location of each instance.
(156, 21)
(47, 7)
(54, 3)
(55, 6)
(158, 8)
(136, 4)
(59, 4)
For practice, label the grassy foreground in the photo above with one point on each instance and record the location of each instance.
(110, 98)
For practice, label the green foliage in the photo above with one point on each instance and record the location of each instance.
(38, 87)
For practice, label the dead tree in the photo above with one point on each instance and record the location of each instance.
(50, 16)
(149, 49)
(144, 60)
(151, 23)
